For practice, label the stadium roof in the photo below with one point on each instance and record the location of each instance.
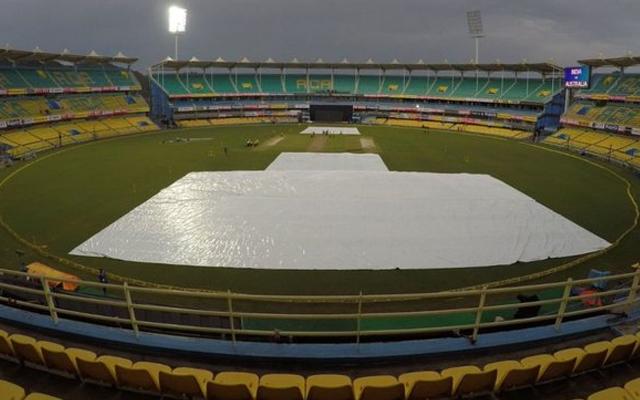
(620, 62)
(37, 55)
(542, 68)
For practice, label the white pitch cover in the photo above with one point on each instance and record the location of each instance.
(330, 130)
(327, 162)
(339, 220)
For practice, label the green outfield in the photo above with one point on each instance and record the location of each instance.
(65, 197)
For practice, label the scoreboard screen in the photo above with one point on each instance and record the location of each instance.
(577, 77)
(330, 112)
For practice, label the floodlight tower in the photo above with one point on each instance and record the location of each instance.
(474, 21)
(177, 23)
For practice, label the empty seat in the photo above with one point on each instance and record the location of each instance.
(41, 396)
(633, 387)
(27, 349)
(233, 386)
(190, 382)
(6, 349)
(512, 374)
(101, 369)
(585, 360)
(329, 387)
(636, 351)
(11, 391)
(281, 387)
(426, 385)
(379, 387)
(470, 379)
(143, 375)
(59, 359)
(621, 349)
(550, 367)
(614, 393)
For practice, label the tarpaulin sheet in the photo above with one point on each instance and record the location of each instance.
(327, 162)
(309, 219)
(330, 130)
(54, 277)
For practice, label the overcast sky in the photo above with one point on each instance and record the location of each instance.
(432, 30)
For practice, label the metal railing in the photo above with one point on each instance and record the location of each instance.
(239, 316)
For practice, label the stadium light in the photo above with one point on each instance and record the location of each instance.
(474, 21)
(177, 23)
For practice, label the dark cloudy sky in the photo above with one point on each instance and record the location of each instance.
(434, 30)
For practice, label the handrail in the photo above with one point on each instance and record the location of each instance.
(231, 316)
(355, 298)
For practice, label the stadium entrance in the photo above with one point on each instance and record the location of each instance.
(330, 112)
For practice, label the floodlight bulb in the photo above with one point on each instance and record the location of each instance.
(177, 19)
(474, 21)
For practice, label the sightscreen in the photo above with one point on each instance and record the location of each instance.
(330, 113)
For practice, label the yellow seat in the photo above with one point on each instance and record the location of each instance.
(470, 379)
(512, 374)
(614, 393)
(378, 387)
(101, 369)
(329, 387)
(281, 387)
(233, 386)
(623, 348)
(185, 382)
(6, 349)
(425, 385)
(143, 375)
(550, 367)
(41, 396)
(11, 391)
(58, 358)
(27, 349)
(633, 387)
(585, 360)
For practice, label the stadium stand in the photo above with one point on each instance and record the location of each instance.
(630, 391)
(416, 86)
(604, 121)
(514, 90)
(46, 103)
(162, 379)
(11, 391)
(492, 95)
(479, 129)
(246, 84)
(344, 84)
(271, 84)
(624, 149)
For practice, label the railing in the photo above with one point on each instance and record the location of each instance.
(608, 157)
(351, 318)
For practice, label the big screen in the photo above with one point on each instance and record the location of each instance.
(330, 113)
(577, 77)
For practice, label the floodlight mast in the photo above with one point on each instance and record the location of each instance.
(474, 21)
(177, 24)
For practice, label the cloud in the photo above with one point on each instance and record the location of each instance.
(432, 30)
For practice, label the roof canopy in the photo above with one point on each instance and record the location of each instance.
(37, 55)
(543, 68)
(619, 62)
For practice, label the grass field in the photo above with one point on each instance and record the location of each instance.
(67, 196)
